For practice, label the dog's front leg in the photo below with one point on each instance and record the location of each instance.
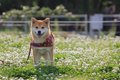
(47, 58)
(36, 57)
(51, 56)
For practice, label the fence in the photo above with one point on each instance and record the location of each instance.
(66, 22)
(9, 24)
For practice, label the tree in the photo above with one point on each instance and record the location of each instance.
(75, 6)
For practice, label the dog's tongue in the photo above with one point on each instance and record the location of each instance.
(39, 35)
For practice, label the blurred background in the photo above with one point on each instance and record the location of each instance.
(87, 17)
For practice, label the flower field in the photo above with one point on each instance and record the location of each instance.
(76, 58)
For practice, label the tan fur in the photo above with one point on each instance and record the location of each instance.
(45, 52)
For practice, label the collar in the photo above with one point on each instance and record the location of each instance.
(48, 42)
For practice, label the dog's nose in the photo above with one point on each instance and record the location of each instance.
(39, 32)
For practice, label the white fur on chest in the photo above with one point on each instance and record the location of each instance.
(42, 50)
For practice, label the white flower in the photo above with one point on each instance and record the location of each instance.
(115, 69)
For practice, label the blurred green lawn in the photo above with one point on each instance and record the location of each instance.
(76, 58)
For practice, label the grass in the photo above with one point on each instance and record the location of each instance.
(76, 58)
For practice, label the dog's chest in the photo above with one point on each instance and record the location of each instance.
(43, 47)
(48, 42)
(43, 50)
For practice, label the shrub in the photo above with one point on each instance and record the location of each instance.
(27, 12)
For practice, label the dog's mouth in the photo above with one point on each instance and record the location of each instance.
(40, 34)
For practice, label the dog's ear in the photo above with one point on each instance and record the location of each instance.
(47, 21)
(33, 20)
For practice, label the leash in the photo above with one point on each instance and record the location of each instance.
(29, 52)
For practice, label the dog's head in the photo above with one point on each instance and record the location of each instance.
(40, 28)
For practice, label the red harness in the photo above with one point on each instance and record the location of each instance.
(48, 43)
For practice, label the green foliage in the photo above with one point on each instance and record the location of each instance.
(18, 71)
(60, 9)
(27, 12)
(44, 11)
(13, 13)
(117, 45)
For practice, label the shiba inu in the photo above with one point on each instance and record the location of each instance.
(42, 41)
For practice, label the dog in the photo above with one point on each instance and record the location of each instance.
(42, 43)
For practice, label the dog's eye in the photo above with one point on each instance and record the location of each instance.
(42, 27)
(36, 27)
